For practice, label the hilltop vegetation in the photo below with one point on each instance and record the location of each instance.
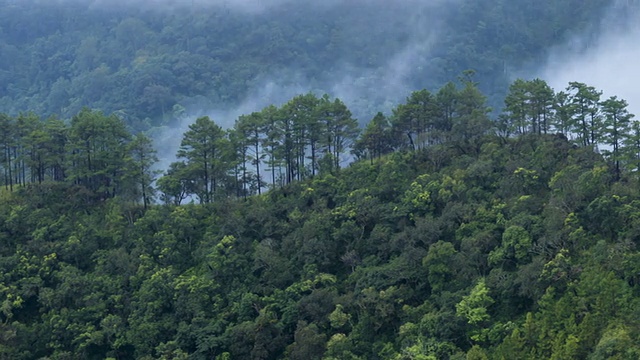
(453, 237)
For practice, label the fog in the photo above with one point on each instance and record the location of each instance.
(365, 90)
(609, 62)
(606, 61)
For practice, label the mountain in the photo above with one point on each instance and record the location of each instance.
(360, 180)
(527, 249)
(148, 61)
(452, 237)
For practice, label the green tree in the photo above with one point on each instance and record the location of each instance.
(141, 159)
(471, 121)
(25, 144)
(564, 109)
(35, 143)
(616, 343)
(156, 99)
(516, 107)
(474, 308)
(96, 152)
(286, 143)
(541, 98)
(340, 129)
(306, 132)
(55, 146)
(375, 140)
(204, 147)
(6, 141)
(239, 145)
(585, 100)
(438, 263)
(446, 100)
(631, 149)
(515, 247)
(252, 126)
(271, 143)
(309, 342)
(176, 184)
(615, 128)
(415, 118)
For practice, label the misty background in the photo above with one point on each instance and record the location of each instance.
(606, 60)
(159, 64)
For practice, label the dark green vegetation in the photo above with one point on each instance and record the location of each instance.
(140, 61)
(454, 236)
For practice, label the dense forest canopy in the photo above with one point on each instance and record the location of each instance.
(454, 236)
(146, 61)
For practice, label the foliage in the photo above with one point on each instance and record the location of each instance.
(470, 243)
(144, 61)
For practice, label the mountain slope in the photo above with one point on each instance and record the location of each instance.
(527, 249)
(140, 61)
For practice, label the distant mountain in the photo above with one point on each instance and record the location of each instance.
(141, 60)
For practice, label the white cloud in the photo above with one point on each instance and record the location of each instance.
(609, 63)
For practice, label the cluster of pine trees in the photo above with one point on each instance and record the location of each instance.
(302, 138)
(309, 135)
(91, 151)
(294, 142)
(578, 112)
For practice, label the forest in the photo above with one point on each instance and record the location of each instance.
(487, 215)
(434, 233)
(147, 64)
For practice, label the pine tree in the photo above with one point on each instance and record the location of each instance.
(515, 110)
(375, 139)
(341, 130)
(616, 127)
(96, 152)
(6, 142)
(203, 147)
(141, 159)
(585, 100)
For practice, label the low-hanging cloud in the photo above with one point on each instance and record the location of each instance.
(365, 90)
(608, 62)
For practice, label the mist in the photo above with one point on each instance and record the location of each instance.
(607, 61)
(369, 53)
(364, 90)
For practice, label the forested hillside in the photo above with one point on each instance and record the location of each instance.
(453, 237)
(350, 218)
(147, 62)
